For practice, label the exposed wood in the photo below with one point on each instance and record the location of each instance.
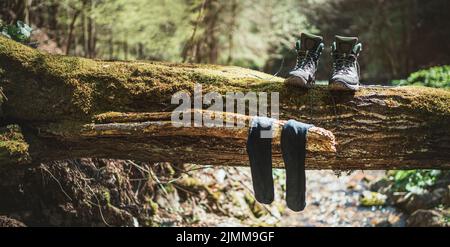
(152, 137)
(72, 107)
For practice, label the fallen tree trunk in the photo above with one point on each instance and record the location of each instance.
(70, 107)
(148, 137)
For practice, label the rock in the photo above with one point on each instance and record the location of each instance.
(446, 200)
(412, 202)
(397, 198)
(169, 201)
(382, 223)
(220, 176)
(392, 220)
(358, 179)
(426, 200)
(377, 185)
(440, 195)
(426, 218)
(6, 221)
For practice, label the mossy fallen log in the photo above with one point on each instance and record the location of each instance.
(72, 107)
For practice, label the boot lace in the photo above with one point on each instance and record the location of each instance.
(306, 60)
(343, 64)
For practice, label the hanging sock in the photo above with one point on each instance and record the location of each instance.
(293, 147)
(259, 151)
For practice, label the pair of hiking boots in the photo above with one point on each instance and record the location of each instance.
(345, 69)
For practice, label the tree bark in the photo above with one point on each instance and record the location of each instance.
(71, 30)
(70, 107)
(151, 137)
(26, 10)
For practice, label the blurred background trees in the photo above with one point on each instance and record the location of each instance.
(399, 37)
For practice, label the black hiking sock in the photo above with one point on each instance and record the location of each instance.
(293, 147)
(259, 151)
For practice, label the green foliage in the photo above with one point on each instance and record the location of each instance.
(438, 77)
(19, 32)
(414, 180)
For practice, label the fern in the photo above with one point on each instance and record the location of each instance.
(438, 77)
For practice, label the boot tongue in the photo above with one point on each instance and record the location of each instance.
(309, 42)
(345, 44)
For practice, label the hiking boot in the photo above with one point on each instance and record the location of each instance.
(309, 48)
(345, 72)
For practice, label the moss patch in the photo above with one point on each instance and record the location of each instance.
(424, 99)
(13, 147)
(256, 208)
(195, 185)
(51, 87)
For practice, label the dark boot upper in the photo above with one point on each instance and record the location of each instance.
(345, 51)
(309, 48)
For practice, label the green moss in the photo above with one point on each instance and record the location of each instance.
(420, 100)
(169, 188)
(196, 185)
(370, 198)
(41, 86)
(106, 196)
(170, 170)
(51, 87)
(256, 208)
(13, 147)
(129, 117)
(153, 206)
(207, 79)
(431, 100)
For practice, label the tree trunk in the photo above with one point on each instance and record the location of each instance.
(26, 11)
(92, 32)
(140, 51)
(125, 49)
(70, 107)
(232, 27)
(111, 45)
(71, 30)
(188, 53)
(85, 35)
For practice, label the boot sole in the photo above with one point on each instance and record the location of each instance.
(299, 82)
(342, 86)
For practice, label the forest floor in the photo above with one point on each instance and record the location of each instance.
(101, 192)
(335, 201)
(331, 201)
